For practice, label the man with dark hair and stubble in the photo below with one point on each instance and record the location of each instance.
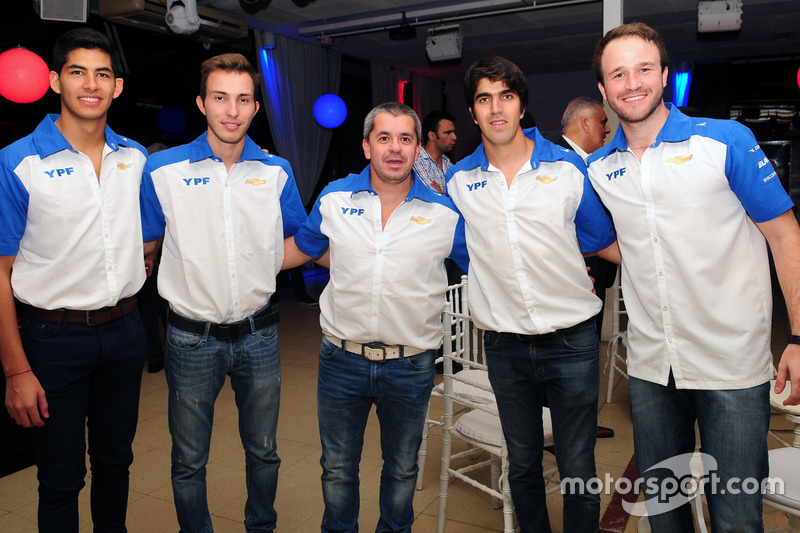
(438, 139)
(224, 208)
(72, 256)
(696, 205)
(531, 215)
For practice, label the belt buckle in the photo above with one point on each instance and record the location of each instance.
(89, 318)
(224, 331)
(378, 347)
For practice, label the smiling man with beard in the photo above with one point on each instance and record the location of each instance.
(388, 236)
(695, 203)
(227, 208)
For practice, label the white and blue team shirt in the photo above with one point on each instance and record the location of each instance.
(77, 241)
(527, 273)
(223, 245)
(387, 284)
(695, 272)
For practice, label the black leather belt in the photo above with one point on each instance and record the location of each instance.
(263, 318)
(544, 336)
(94, 317)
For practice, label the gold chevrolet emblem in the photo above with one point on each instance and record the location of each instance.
(124, 166)
(679, 159)
(546, 179)
(255, 182)
(420, 220)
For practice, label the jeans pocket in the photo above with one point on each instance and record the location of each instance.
(490, 339)
(422, 362)
(183, 340)
(268, 332)
(582, 338)
(37, 328)
(328, 350)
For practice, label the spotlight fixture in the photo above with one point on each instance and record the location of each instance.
(269, 40)
(719, 15)
(404, 32)
(444, 43)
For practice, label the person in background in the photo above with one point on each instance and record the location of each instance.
(71, 253)
(226, 207)
(695, 203)
(439, 134)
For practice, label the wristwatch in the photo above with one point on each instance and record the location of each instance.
(794, 339)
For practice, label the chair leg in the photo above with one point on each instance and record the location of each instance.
(611, 363)
(444, 475)
(423, 447)
(508, 503)
(495, 469)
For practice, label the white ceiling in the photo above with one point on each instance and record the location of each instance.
(540, 36)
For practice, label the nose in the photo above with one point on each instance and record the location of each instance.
(232, 108)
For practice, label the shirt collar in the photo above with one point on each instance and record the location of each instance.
(418, 188)
(542, 150)
(678, 127)
(199, 149)
(48, 139)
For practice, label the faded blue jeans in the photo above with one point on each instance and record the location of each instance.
(565, 365)
(347, 387)
(196, 366)
(733, 431)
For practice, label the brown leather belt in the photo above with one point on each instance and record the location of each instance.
(95, 317)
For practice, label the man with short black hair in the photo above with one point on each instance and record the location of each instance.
(72, 255)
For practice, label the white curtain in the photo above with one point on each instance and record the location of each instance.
(294, 75)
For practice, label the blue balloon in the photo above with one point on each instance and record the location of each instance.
(330, 111)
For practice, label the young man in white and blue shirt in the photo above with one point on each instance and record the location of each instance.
(386, 235)
(530, 215)
(695, 203)
(73, 258)
(227, 208)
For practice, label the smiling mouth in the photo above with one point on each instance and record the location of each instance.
(89, 99)
(634, 98)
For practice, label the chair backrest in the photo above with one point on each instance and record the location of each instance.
(466, 338)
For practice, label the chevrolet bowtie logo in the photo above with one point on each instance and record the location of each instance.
(255, 182)
(546, 179)
(679, 159)
(124, 166)
(421, 220)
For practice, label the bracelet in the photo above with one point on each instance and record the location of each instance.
(794, 339)
(18, 373)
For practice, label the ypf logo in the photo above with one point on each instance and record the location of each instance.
(616, 174)
(352, 211)
(190, 182)
(59, 172)
(477, 185)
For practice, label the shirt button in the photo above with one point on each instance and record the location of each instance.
(669, 340)
(236, 304)
(664, 308)
(649, 204)
(655, 239)
(233, 276)
(110, 268)
(107, 235)
(515, 247)
(375, 314)
(227, 215)
(660, 273)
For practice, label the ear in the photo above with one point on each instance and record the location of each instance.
(200, 105)
(416, 154)
(365, 146)
(118, 83)
(521, 112)
(472, 115)
(585, 124)
(257, 107)
(664, 77)
(55, 82)
(431, 135)
(602, 90)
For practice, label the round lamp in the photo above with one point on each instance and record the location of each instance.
(330, 111)
(24, 76)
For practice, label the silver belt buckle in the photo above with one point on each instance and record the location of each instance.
(374, 351)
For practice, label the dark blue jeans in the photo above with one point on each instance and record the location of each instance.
(91, 376)
(347, 388)
(733, 432)
(565, 365)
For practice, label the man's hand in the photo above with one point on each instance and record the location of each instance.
(789, 370)
(25, 400)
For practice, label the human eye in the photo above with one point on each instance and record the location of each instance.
(483, 99)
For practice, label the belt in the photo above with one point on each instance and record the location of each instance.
(95, 317)
(376, 351)
(232, 330)
(545, 336)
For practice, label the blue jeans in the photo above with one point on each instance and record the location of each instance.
(347, 387)
(196, 366)
(91, 375)
(565, 366)
(733, 431)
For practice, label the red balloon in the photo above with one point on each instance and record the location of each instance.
(24, 76)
